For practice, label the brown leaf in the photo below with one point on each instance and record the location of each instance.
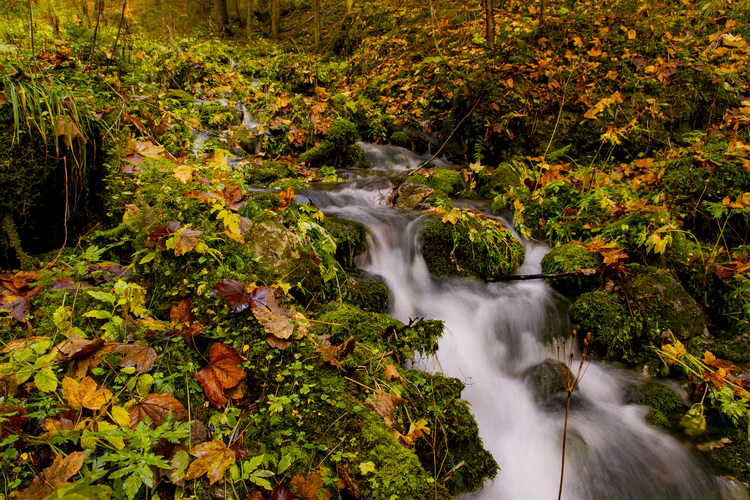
(138, 354)
(157, 408)
(13, 418)
(76, 347)
(277, 321)
(62, 469)
(67, 128)
(18, 344)
(186, 240)
(391, 373)
(224, 372)
(385, 405)
(85, 394)
(711, 360)
(332, 353)
(212, 458)
(310, 488)
(182, 312)
(281, 492)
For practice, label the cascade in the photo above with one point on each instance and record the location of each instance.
(496, 331)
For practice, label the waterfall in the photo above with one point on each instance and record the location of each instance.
(493, 333)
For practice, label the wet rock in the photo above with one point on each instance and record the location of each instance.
(411, 194)
(571, 257)
(663, 302)
(546, 379)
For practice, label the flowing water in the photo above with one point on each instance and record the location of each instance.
(493, 332)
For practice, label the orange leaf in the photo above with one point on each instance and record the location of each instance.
(85, 394)
(156, 407)
(223, 373)
(55, 477)
(182, 312)
(76, 347)
(385, 405)
(286, 197)
(212, 458)
(309, 488)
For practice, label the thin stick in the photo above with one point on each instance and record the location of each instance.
(117, 38)
(520, 277)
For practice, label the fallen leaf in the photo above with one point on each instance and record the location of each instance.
(68, 130)
(309, 488)
(277, 321)
(182, 312)
(385, 405)
(286, 197)
(332, 353)
(56, 476)
(185, 240)
(281, 492)
(85, 394)
(711, 360)
(238, 297)
(138, 354)
(183, 173)
(212, 458)
(223, 373)
(391, 373)
(77, 347)
(157, 408)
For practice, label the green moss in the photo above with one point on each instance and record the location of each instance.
(660, 399)
(442, 179)
(338, 147)
(343, 320)
(471, 247)
(287, 183)
(366, 293)
(734, 457)
(615, 334)
(400, 138)
(503, 177)
(571, 257)
(398, 473)
(270, 171)
(440, 199)
(350, 238)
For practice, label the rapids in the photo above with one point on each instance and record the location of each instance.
(493, 332)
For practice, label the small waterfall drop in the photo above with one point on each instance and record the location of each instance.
(495, 331)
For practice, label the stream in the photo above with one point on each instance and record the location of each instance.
(495, 331)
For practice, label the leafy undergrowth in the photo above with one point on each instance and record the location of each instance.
(215, 336)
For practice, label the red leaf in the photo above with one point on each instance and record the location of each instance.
(157, 408)
(237, 297)
(281, 492)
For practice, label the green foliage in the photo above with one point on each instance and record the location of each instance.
(441, 179)
(569, 257)
(616, 334)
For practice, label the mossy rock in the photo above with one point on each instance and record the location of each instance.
(663, 302)
(546, 379)
(350, 237)
(615, 333)
(341, 321)
(270, 171)
(734, 457)
(441, 179)
(439, 199)
(367, 293)
(503, 177)
(661, 402)
(571, 257)
(338, 148)
(400, 138)
(471, 247)
(410, 195)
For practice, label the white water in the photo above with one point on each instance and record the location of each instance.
(493, 332)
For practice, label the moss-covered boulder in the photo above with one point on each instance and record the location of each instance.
(350, 238)
(411, 194)
(441, 179)
(663, 302)
(546, 379)
(470, 245)
(338, 148)
(268, 172)
(660, 400)
(616, 334)
(503, 177)
(570, 257)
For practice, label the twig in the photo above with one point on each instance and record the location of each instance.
(520, 277)
(450, 473)
(117, 38)
(448, 139)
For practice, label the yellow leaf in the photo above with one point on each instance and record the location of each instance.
(121, 416)
(674, 352)
(453, 216)
(184, 173)
(212, 458)
(631, 34)
(85, 394)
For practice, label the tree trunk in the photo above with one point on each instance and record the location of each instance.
(275, 15)
(247, 21)
(316, 8)
(542, 11)
(237, 12)
(349, 6)
(490, 18)
(221, 14)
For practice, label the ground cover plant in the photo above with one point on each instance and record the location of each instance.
(174, 323)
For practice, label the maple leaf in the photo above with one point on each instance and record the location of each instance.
(85, 394)
(453, 216)
(286, 197)
(674, 352)
(237, 296)
(212, 458)
(183, 173)
(391, 373)
(332, 353)
(309, 488)
(138, 354)
(77, 347)
(224, 372)
(146, 149)
(385, 405)
(279, 323)
(56, 476)
(185, 240)
(711, 360)
(182, 312)
(68, 130)
(157, 408)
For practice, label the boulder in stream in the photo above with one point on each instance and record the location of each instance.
(545, 380)
(411, 194)
(571, 257)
